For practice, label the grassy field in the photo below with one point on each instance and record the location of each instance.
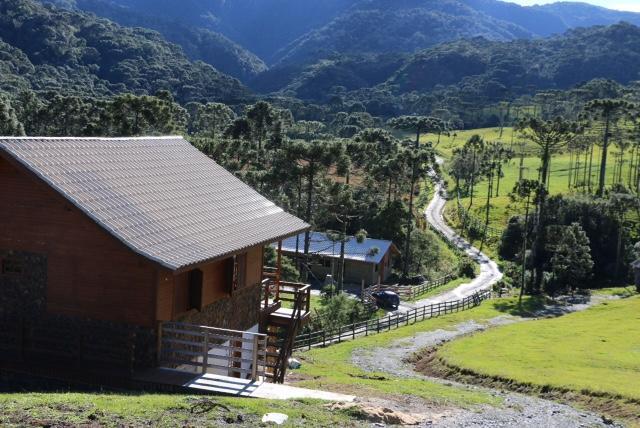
(442, 289)
(501, 208)
(122, 410)
(597, 350)
(331, 368)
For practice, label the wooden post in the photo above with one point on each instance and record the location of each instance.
(254, 367)
(159, 344)
(205, 353)
(279, 264)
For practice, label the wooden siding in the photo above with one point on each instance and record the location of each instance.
(173, 294)
(90, 273)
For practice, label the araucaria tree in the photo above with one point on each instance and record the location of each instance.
(419, 162)
(418, 125)
(550, 137)
(606, 116)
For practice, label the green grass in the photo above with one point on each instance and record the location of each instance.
(597, 350)
(442, 289)
(331, 367)
(112, 410)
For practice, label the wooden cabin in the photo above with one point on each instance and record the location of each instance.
(369, 262)
(102, 240)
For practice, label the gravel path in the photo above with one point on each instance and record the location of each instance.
(517, 410)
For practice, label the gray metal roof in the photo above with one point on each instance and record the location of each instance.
(321, 245)
(160, 196)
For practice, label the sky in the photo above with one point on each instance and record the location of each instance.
(632, 5)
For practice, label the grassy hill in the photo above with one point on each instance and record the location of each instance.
(594, 352)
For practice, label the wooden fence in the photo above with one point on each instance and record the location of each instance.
(470, 220)
(409, 292)
(231, 353)
(390, 322)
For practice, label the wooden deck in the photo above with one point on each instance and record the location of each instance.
(230, 386)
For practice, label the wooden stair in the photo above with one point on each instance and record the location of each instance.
(282, 324)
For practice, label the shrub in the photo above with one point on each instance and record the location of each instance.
(467, 268)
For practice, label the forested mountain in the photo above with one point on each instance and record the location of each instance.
(48, 49)
(576, 14)
(379, 26)
(475, 69)
(198, 43)
(261, 26)
(293, 31)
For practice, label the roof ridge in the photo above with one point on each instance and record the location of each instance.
(144, 137)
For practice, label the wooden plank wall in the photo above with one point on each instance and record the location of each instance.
(90, 273)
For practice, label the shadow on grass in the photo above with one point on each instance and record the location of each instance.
(530, 307)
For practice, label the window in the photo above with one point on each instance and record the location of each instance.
(195, 289)
(376, 268)
(12, 266)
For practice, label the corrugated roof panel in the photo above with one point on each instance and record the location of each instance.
(320, 244)
(158, 195)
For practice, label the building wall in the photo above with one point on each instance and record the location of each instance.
(221, 306)
(355, 271)
(89, 272)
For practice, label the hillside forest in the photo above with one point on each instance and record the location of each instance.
(347, 141)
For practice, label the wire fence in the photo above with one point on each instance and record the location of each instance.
(390, 322)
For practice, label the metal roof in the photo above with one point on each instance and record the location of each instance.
(160, 196)
(321, 245)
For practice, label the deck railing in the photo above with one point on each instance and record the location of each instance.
(233, 353)
(275, 294)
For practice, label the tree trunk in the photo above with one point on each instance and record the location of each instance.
(603, 160)
(524, 252)
(307, 236)
(407, 248)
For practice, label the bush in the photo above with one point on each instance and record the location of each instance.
(467, 268)
(338, 311)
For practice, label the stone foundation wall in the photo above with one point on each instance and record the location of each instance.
(238, 312)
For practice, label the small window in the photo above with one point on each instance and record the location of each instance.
(376, 268)
(12, 266)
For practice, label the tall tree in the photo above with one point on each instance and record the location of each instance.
(418, 125)
(549, 136)
(571, 263)
(420, 162)
(606, 114)
(9, 123)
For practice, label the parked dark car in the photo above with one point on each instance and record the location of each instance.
(386, 299)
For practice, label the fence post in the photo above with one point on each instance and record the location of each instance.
(254, 367)
(158, 345)
(205, 353)
(353, 326)
(378, 326)
(324, 338)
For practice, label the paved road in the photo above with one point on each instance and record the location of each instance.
(489, 272)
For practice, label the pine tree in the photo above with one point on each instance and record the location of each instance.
(571, 263)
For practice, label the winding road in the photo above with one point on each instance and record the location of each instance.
(489, 272)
